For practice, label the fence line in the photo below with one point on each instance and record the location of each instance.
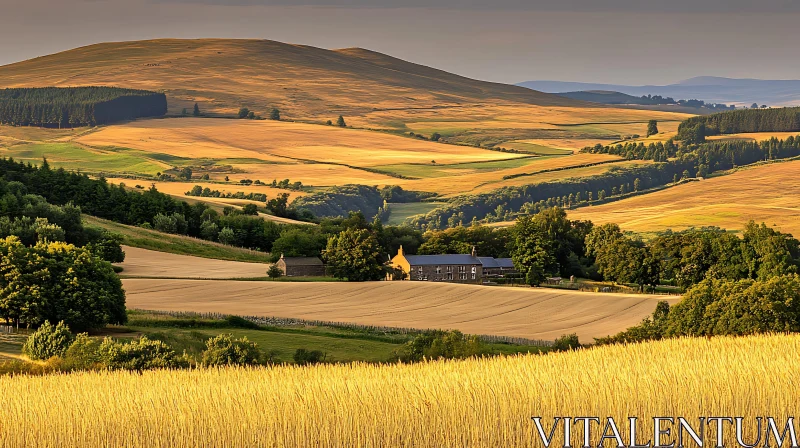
(289, 322)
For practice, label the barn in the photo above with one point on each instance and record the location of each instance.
(301, 266)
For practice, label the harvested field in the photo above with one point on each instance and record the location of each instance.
(519, 312)
(754, 136)
(148, 263)
(766, 193)
(180, 188)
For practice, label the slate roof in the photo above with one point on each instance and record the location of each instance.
(488, 262)
(505, 263)
(496, 263)
(302, 261)
(435, 260)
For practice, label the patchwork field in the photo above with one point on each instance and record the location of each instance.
(268, 150)
(519, 312)
(274, 141)
(767, 193)
(481, 403)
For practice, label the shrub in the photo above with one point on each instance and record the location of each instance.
(442, 345)
(566, 342)
(227, 236)
(174, 223)
(48, 341)
(250, 209)
(274, 272)
(224, 350)
(83, 354)
(108, 247)
(140, 354)
(305, 357)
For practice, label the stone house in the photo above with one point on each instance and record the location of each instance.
(497, 267)
(453, 268)
(301, 266)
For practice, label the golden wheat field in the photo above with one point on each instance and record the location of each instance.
(754, 136)
(324, 156)
(535, 313)
(766, 193)
(475, 403)
(176, 188)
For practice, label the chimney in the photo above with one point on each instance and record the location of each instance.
(400, 252)
(474, 252)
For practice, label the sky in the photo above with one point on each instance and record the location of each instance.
(604, 41)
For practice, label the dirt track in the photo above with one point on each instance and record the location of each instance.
(520, 312)
(148, 263)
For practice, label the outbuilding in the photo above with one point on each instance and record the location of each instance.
(301, 266)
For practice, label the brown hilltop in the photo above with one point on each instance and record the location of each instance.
(303, 81)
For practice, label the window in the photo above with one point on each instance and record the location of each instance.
(438, 269)
(474, 270)
(419, 269)
(450, 276)
(449, 269)
(462, 269)
(473, 275)
(462, 276)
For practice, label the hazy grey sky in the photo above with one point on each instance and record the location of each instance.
(611, 41)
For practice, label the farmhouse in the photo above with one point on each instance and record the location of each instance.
(301, 266)
(497, 267)
(456, 268)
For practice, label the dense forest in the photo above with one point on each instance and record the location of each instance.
(750, 120)
(341, 200)
(56, 107)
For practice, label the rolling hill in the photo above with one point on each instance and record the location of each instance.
(765, 193)
(303, 81)
(712, 89)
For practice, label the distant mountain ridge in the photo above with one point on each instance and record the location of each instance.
(711, 89)
(224, 75)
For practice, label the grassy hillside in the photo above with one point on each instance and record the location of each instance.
(767, 193)
(477, 403)
(301, 80)
(175, 244)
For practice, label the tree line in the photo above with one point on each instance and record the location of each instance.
(786, 119)
(57, 107)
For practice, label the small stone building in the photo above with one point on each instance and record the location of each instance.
(301, 266)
